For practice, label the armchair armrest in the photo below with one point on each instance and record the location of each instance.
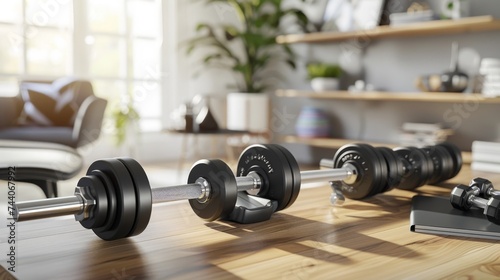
(10, 109)
(88, 121)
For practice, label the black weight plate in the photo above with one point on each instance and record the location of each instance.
(288, 186)
(447, 162)
(442, 163)
(456, 156)
(395, 168)
(426, 167)
(430, 166)
(384, 173)
(124, 189)
(368, 166)
(223, 189)
(295, 173)
(273, 168)
(419, 167)
(112, 201)
(143, 198)
(99, 211)
(436, 163)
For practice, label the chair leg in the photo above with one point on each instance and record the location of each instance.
(49, 188)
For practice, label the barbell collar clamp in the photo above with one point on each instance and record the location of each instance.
(88, 202)
(336, 197)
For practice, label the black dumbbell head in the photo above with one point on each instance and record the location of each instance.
(442, 162)
(492, 210)
(483, 184)
(370, 165)
(294, 165)
(273, 167)
(459, 196)
(418, 165)
(395, 168)
(119, 184)
(143, 198)
(223, 189)
(456, 156)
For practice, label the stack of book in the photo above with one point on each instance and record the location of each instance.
(485, 156)
(423, 134)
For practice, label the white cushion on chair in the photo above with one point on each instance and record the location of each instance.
(38, 155)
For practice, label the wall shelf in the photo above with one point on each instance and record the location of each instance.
(436, 27)
(430, 28)
(390, 96)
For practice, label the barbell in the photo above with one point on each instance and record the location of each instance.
(115, 199)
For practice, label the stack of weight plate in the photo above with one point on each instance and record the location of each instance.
(490, 70)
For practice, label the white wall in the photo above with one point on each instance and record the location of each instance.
(393, 65)
(390, 64)
(179, 85)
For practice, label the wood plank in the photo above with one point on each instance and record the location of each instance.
(367, 239)
(5, 275)
(390, 96)
(436, 27)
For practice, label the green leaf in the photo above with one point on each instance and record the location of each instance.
(291, 63)
(254, 40)
(201, 26)
(315, 70)
(190, 49)
(208, 58)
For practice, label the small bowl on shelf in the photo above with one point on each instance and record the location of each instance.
(322, 84)
(447, 82)
(428, 83)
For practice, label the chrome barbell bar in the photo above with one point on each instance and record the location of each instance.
(80, 203)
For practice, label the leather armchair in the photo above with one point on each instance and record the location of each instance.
(86, 127)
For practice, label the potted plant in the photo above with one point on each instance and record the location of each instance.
(126, 119)
(324, 76)
(246, 49)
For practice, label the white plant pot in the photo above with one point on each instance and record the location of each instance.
(324, 84)
(248, 111)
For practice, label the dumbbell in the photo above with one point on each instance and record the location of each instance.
(115, 199)
(428, 165)
(465, 197)
(381, 169)
(486, 189)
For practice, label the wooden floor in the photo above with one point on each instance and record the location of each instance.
(367, 239)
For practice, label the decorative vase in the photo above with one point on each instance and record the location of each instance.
(324, 84)
(248, 111)
(312, 122)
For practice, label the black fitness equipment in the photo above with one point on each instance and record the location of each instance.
(465, 197)
(486, 189)
(115, 199)
(381, 169)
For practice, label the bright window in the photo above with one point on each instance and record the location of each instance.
(114, 44)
